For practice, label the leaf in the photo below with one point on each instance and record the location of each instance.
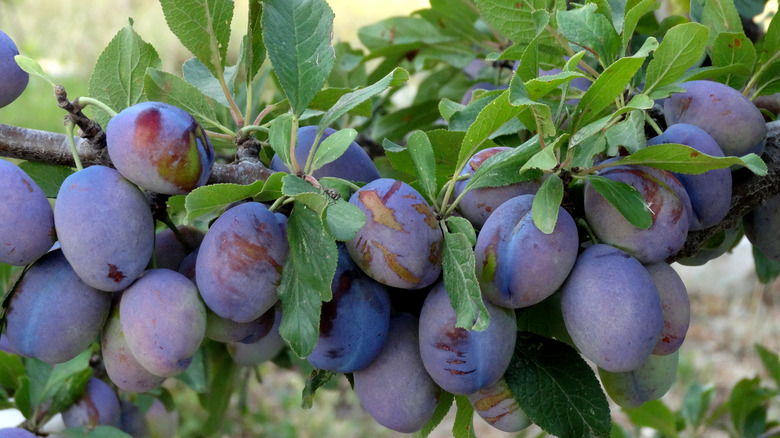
(421, 151)
(695, 403)
(734, 49)
(199, 76)
(196, 376)
(460, 281)
(49, 177)
(306, 279)
(118, 77)
(586, 27)
(626, 199)
(343, 220)
(203, 27)
(442, 408)
(573, 404)
(297, 35)
(769, 46)
(401, 34)
(32, 67)
(216, 197)
(512, 19)
(771, 362)
(680, 49)
(685, 159)
(747, 396)
(400, 122)
(221, 387)
(280, 137)
(332, 147)
(457, 224)
(720, 16)
(316, 380)
(767, 270)
(501, 168)
(632, 17)
(629, 134)
(492, 117)
(254, 47)
(656, 415)
(351, 100)
(11, 370)
(96, 432)
(165, 87)
(463, 427)
(546, 204)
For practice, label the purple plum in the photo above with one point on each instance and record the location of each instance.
(14, 79)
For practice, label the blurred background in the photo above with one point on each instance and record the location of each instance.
(731, 311)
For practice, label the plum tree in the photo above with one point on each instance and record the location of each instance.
(14, 79)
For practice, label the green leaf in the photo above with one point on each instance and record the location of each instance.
(656, 415)
(49, 177)
(747, 396)
(512, 19)
(294, 186)
(11, 371)
(586, 27)
(22, 398)
(421, 151)
(629, 134)
(280, 137)
(573, 404)
(343, 220)
(203, 27)
(626, 199)
(442, 409)
(720, 16)
(546, 204)
(632, 17)
(458, 224)
(680, 49)
(771, 362)
(216, 197)
(398, 123)
(272, 188)
(545, 159)
(118, 77)
(492, 117)
(695, 403)
(463, 427)
(767, 270)
(297, 35)
(332, 147)
(97, 432)
(768, 80)
(32, 67)
(501, 168)
(165, 87)
(306, 279)
(199, 76)
(350, 100)
(196, 376)
(460, 281)
(543, 85)
(685, 159)
(61, 385)
(401, 33)
(221, 387)
(734, 49)
(316, 380)
(769, 46)
(254, 47)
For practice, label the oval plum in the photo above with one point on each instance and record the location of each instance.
(14, 79)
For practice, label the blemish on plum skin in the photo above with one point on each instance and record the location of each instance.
(27, 183)
(381, 213)
(114, 273)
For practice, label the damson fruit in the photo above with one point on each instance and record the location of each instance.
(611, 309)
(13, 80)
(353, 165)
(225, 330)
(395, 389)
(163, 320)
(477, 204)
(648, 382)
(669, 205)
(121, 366)
(464, 361)
(16, 432)
(723, 112)
(97, 406)
(517, 264)
(239, 264)
(53, 315)
(709, 192)
(497, 405)
(401, 243)
(354, 323)
(160, 147)
(264, 349)
(27, 218)
(169, 251)
(675, 305)
(105, 227)
(762, 227)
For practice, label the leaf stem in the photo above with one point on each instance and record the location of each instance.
(228, 137)
(314, 146)
(296, 168)
(264, 113)
(652, 123)
(84, 101)
(69, 127)
(247, 130)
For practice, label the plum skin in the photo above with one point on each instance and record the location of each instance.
(612, 309)
(498, 406)
(160, 147)
(675, 305)
(762, 227)
(14, 79)
(353, 165)
(648, 382)
(23, 206)
(517, 264)
(264, 349)
(400, 244)
(98, 405)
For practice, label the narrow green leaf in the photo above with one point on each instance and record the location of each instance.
(746, 396)
(685, 159)
(771, 362)
(769, 46)
(22, 398)
(463, 427)
(492, 117)
(543, 85)
(203, 27)
(221, 387)
(297, 35)
(254, 46)
(421, 152)
(165, 87)
(49, 177)
(632, 17)
(720, 16)
(405, 33)
(197, 74)
(32, 67)
(333, 147)
(216, 197)
(460, 281)
(573, 404)
(586, 27)
(638, 102)
(316, 380)
(626, 199)
(350, 100)
(768, 81)
(306, 279)
(343, 220)
(680, 49)
(11, 370)
(501, 168)
(734, 49)
(655, 414)
(442, 409)
(400, 122)
(280, 137)
(272, 188)
(546, 204)
(767, 270)
(458, 224)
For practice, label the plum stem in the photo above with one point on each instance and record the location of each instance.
(652, 123)
(69, 135)
(264, 113)
(294, 166)
(84, 101)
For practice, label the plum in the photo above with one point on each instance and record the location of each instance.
(354, 323)
(28, 221)
(14, 79)
(225, 330)
(464, 361)
(132, 420)
(353, 165)
(97, 406)
(762, 227)
(669, 206)
(612, 309)
(675, 305)
(53, 315)
(709, 192)
(169, 251)
(517, 264)
(160, 147)
(105, 227)
(395, 389)
(266, 348)
(239, 263)
(477, 204)
(497, 405)
(16, 432)
(648, 382)
(164, 321)
(724, 113)
(162, 422)
(401, 243)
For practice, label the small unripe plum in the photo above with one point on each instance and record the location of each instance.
(724, 113)
(401, 243)
(675, 305)
(265, 349)
(169, 251)
(464, 361)
(497, 405)
(23, 207)
(53, 315)
(648, 382)
(132, 420)
(164, 321)
(13, 80)
(762, 227)
(517, 264)
(98, 406)
(669, 206)
(160, 147)
(395, 389)
(353, 165)
(709, 192)
(612, 309)
(162, 422)
(478, 204)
